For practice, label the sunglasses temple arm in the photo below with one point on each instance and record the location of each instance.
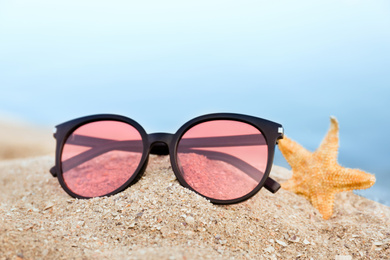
(223, 141)
(81, 140)
(101, 146)
(124, 146)
(218, 141)
(53, 171)
(128, 146)
(270, 184)
(97, 143)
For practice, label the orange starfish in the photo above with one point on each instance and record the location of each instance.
(317, 175)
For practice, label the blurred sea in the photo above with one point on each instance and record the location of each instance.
(163, 63)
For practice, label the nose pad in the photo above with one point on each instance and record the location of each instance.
(159, 143)
(159, 148)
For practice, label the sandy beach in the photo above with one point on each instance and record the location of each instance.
(20, 140)
(158, 218)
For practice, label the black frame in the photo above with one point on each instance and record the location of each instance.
(166, 144)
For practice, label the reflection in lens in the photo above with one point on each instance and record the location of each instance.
(100, 157)
(222, 159)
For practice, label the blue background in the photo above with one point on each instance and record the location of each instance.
(165, 62)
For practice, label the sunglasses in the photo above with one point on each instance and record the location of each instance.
(224, 157)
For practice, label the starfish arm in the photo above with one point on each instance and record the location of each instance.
(324, 203)
(293, 152)
(328, 149)
(344, 179)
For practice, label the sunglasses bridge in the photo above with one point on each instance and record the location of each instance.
(159, 143)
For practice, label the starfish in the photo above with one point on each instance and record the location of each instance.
(317, 175)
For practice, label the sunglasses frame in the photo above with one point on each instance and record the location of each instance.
(166, 144)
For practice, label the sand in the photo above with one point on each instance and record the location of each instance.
(158, 218)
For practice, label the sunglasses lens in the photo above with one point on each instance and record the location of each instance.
(223, 159)
(100, 157)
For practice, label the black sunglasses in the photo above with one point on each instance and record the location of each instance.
(224, 157)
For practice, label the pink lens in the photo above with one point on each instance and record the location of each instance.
(100, 157)
(223, 159)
